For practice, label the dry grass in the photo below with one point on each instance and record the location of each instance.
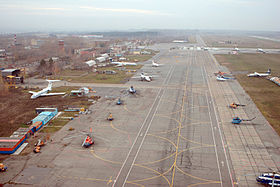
(17, 108)
(138, 58)
(239, 41)
(90, 77)
(264, 93)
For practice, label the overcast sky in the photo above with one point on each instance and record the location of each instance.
(103, 15)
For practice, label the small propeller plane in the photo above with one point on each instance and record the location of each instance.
(144, 77)
(256, 74)
(45, 91)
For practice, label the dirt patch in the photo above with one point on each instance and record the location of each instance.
(17, 108)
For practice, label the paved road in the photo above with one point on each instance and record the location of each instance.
(175, 131)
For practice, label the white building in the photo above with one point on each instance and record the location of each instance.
(90, 63)
(100, 59)
(106, 56)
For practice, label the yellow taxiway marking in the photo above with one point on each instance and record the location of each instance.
(198, 178)
(198, 147)
(139, 165)
(110, 180)
(126, 109)
(162, 138)
(103, 159)
(135, 183)
(179, 131)
(150, 178)
(121, 131)
(156, 161)
(176, 128)
(195, 141)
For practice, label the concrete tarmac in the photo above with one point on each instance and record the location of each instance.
(175, 131)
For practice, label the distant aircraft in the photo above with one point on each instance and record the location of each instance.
(179, 41)
(256, 74)
(155, 64)
(144, 77)
(223, 78)
(124, 63)
(45, 91)
(260, 50)
(236, 49)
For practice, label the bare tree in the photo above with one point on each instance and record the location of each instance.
(42, 68)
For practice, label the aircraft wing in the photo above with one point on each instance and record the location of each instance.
(32, 92)
(137, 77)
(254, 75)
(129, 63)
(49, 94)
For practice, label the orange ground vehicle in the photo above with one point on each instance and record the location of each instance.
(110, 117)
(235, 105)
(38, 146)
(3, 167)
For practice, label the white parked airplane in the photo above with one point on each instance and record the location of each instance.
(256, 74)
(260, 50)
(124, 63)
(45, 91)
(144, 77)
(155, 64)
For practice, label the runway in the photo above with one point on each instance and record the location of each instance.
(175, 131)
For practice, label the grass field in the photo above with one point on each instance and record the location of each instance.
(138, 58)
(141, 58)
(69, 72)
(239, 41)
(90, 77)
(264, 93)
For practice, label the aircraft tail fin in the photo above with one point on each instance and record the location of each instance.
(50, 83)
(269, 71)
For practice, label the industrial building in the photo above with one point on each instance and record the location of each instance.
(12, 76)
(100, 59)
(90, 63)
(8, 145)
(13, 72)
